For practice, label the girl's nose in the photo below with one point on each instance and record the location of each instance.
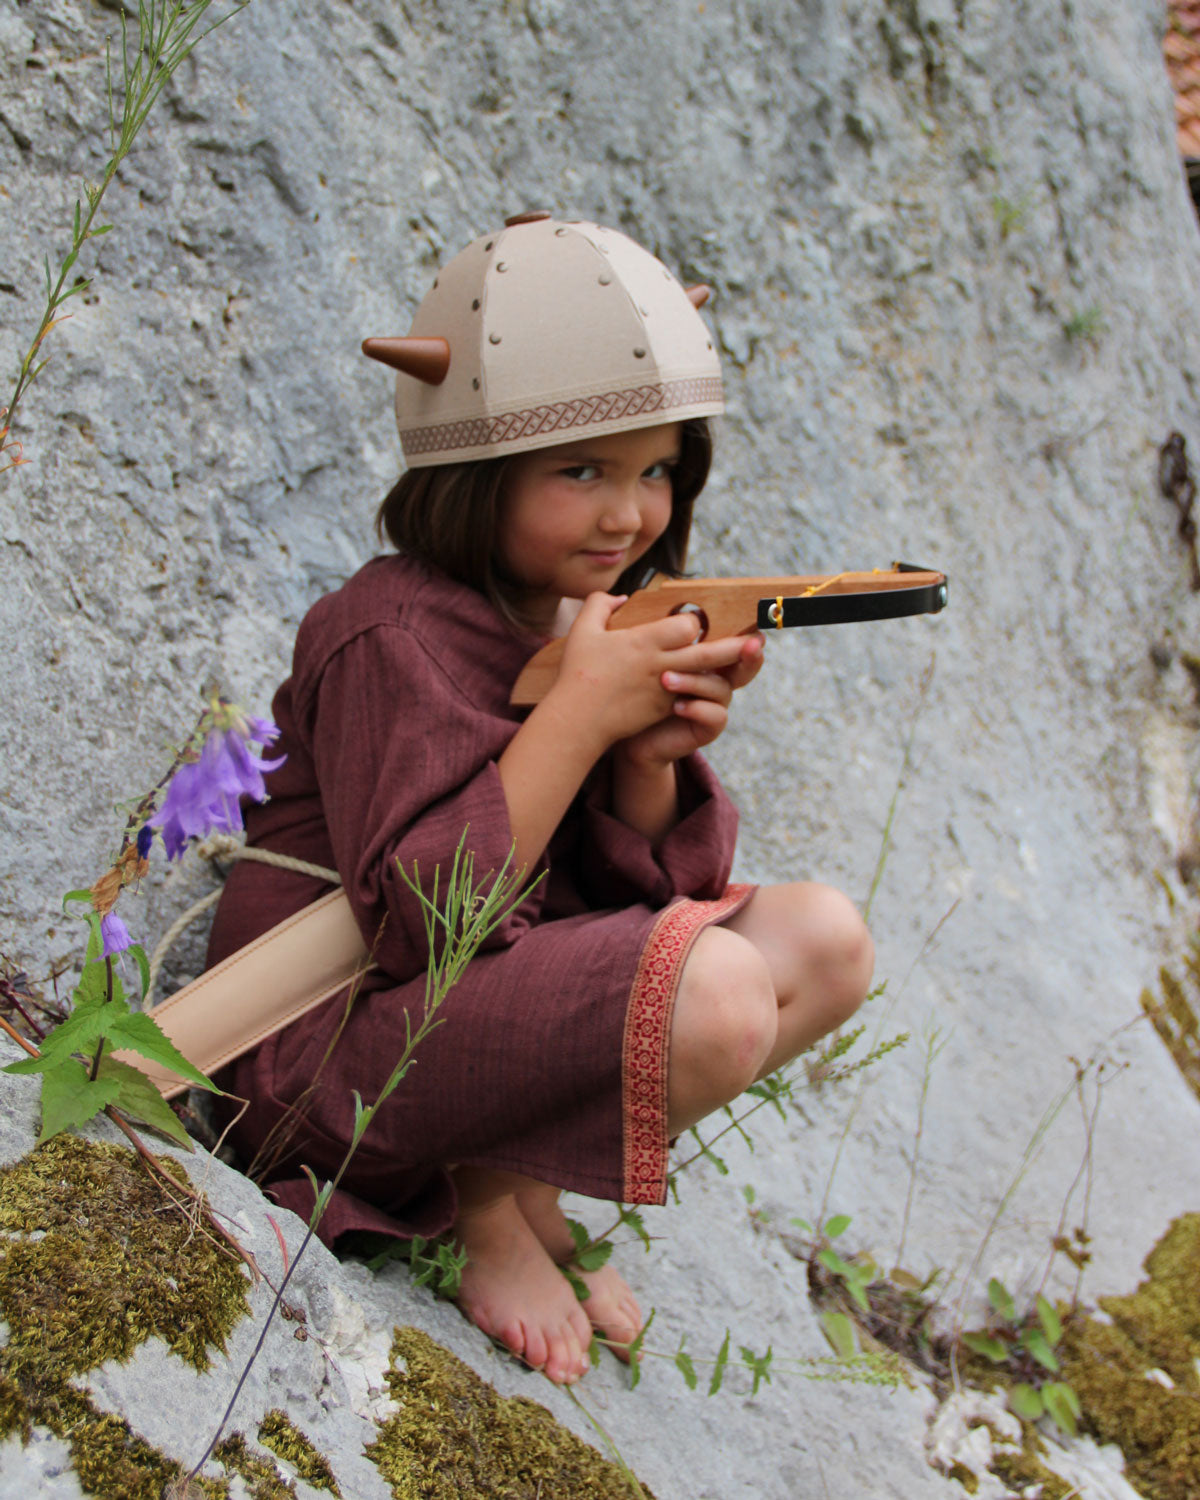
(622, 512)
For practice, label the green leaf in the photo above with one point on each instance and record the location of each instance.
(635, 1349)
(1035, 1341)
(802, 1224)
(138, 953)
(594, 1349)
(838, 1329)
(139, 1032)
(595, 1255)
(1051, 1322)
(578, 1285)
(137, 1096)
(77, 896)
(580, 1234)
(70, 1098)
(718, 1374)
(832, 1261)
(837, 1225)
(857, 1289)
(1063, 1406)
(80, 1032)
(634, 1220)
(1001, 1300)
(758, 1364)
(1026, 1402)
(985, 1344)
(683, 1363)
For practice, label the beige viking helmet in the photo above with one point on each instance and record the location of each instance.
(542, 331)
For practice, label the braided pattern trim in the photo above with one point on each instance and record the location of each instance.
(560, 416)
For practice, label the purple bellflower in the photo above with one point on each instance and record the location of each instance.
(203, 796)
(115, 935)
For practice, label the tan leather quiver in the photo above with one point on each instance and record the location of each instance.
(259, 989)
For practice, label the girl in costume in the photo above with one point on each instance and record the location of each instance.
(553, 401)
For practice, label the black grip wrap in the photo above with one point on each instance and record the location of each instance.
(847, 609)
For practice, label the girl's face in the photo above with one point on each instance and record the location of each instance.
(575, 516)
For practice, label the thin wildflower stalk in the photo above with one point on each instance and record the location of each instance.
(167, 33)
(454, 931)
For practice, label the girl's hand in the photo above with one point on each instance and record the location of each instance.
(700, 711)
(612, 685)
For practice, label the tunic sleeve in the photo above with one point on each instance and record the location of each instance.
(406, 764)
(620, 865)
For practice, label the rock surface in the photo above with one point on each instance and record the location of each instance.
(956, 274)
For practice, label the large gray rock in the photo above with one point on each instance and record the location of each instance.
(957, 300)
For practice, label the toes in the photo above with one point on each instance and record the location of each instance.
(536, 1349)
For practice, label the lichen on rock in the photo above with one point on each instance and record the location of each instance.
(454, 1438)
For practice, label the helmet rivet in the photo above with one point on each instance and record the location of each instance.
(639, 354)
(435, 282)
(475, 305)
(560, 232)
(605, 280)
(475, 383)
(489, 244)
(493, 338)
(502, 265)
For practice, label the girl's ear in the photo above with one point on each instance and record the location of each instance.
(426, 359)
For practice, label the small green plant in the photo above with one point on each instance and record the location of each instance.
(1084, 326)
(1011, 214)
(1026, 1345)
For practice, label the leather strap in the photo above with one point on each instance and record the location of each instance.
(258, 990)
(846, 609)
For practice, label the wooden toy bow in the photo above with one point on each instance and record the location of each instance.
(734, 606)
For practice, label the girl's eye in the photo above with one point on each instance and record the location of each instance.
(659, 471)
(582, 472)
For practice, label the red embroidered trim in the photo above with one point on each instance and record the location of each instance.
(486, 432)
(647, 1029)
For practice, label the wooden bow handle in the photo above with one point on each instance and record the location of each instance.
(736, 606)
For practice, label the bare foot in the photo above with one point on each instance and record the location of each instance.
(611, 1307)
(514, 1292)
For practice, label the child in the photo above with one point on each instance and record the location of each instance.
(553, 404)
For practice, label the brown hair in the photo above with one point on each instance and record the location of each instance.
(448, 516)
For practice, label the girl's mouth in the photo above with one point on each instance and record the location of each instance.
(608, 558)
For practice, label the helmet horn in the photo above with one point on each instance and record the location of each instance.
(698, 295)
(426, 359)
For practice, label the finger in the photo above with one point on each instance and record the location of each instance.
(599, 608)
(712, 686)
(711, 717)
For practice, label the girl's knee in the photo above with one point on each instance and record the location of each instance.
(726, 1015)
(840, 951)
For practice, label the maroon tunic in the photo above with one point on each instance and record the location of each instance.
(552, 1053)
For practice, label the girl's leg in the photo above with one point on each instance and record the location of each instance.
(819, 956)
(611, 1307)
(791, 965)
(511, 1288)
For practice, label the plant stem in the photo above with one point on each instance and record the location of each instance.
(165, 39)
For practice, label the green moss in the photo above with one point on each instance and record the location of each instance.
(454, 1438)
(1023, 1469)
(1157, 1327)
(109, 1267)
(279, 1433)
(93, 1261)
(261, 1476)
